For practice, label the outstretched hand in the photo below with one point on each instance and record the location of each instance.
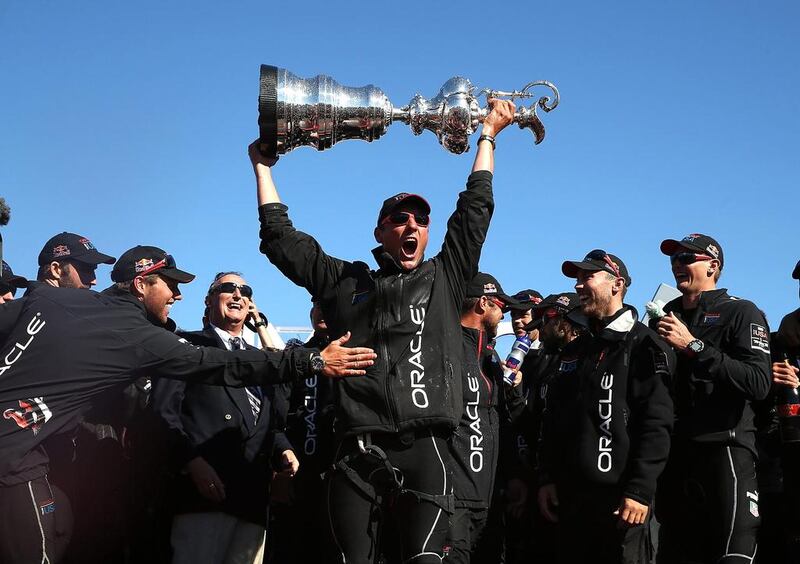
(257, 159)
(346, 361)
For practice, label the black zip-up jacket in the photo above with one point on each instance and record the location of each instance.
(713, 390)
(609, 414)
(475, 442)
(62, 348)
(411, 319)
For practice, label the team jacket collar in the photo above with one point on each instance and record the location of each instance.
(620, 324)
(386, 263)
(117, 293)
(477, 338)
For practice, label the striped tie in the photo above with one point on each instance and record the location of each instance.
(253, 392)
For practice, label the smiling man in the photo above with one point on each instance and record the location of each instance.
(226, 443)
(606, 432)
(394, 424)
(708, 496)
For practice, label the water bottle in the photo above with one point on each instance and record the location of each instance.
(787, 403)
(518, 351)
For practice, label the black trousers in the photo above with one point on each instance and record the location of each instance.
(588, 531)
(367, 504)
(35, 523)
(707, 505)
(466, 526)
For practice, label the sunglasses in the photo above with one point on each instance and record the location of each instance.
(495, 301)
(167, 262)
(688, 258)
(230, 287)
(401, 218)
(600, 254)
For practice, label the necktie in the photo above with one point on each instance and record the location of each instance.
(253, 392)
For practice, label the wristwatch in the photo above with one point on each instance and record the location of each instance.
(317, 362)
(696, 346)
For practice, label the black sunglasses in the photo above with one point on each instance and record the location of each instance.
(685, 258)
(600, 254)
(230, 287)
(401, 218)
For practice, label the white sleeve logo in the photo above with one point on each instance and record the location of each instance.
(759, 338)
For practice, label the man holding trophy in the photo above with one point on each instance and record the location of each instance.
(391, 465)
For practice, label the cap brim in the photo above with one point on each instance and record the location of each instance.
(94, 257)
(571, 268)
(176, 274)
(670, 247)
(796, 271)
(15, 281)
(534, 325)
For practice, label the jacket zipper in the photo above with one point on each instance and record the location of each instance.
(385, 354)
(480, 369)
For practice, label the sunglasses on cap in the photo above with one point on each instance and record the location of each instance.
(230, 287)
(401, 218)
(600, 254)
(495, 301)
(685, 258)
(167, 262)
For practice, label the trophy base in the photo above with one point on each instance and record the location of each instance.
(268, 111)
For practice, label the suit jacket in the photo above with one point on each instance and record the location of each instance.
(217, 423)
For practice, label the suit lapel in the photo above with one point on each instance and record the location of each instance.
(238, 396)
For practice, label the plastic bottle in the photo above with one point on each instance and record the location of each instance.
(787, 403)
(515, 358)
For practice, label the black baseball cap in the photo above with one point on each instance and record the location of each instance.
(563, 303)
(695, 242)
(71, 246)
(483, 284)
(142, 260)
(796, 271)
(9, 281)
(526, 299)
(403, 197)
(596, 260)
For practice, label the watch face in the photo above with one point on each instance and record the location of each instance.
(696, 346)
(317, 363)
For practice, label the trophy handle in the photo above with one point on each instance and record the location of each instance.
(527, 118)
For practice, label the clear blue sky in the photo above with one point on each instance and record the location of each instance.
(128, 122)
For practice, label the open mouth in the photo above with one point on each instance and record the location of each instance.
(409, 247)
(235, 305)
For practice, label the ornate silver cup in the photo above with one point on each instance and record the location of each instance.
(319, 112)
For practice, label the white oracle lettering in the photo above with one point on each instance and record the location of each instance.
(419, 396)
(35, 325)
(604, 409)
(604, 462)
(476, 461)
(310, 405)
(473, 384)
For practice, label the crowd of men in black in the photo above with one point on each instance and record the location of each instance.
(397, 433)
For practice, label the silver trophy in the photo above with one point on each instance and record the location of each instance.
(319, 112)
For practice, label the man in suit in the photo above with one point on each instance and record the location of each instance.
(224, 440)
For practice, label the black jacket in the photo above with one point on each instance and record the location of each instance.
(62, 348)
(411, 319)
(713, 391)
(217, 423)
(609, 414)
(488, 402)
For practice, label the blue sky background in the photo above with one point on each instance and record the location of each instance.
(129, 122)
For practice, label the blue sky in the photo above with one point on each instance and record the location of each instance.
(129, 122)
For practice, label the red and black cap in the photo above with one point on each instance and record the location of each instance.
(796, 271)
(695, 243)
(561, 304)
(526, 299)
(595, 260)
(483, 284)
(9, 281)
(143, 260)
(403, 197)
(71, 246)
